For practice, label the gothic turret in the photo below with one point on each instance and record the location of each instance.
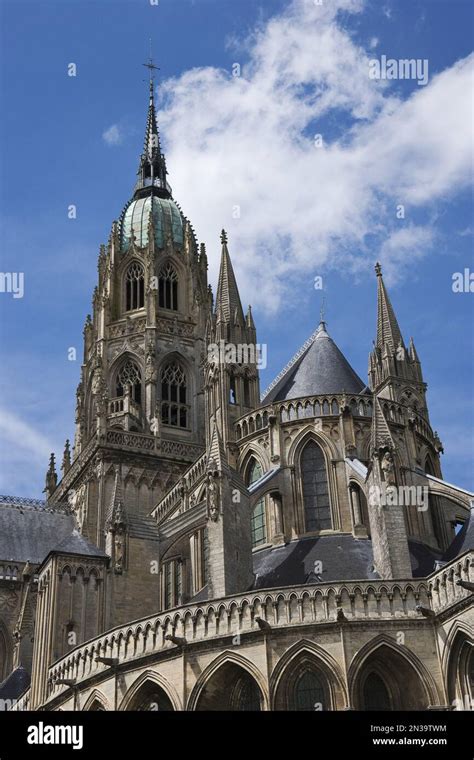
(232, 379)
(393, 369)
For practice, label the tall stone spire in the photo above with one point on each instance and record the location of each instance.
(388, 331)
(228, 304)
(152, 168)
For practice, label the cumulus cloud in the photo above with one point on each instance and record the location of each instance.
(113, 135)
(243, 151)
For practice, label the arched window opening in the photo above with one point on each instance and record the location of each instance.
(259, 529)
(151, 697)
(129, 376)
(174, 408)
(376, 696)
(248, 695)
(259, 518)
(246, 392)
(134, 287)
(309, 692)
(317, 508)
(97, 706)
(168, 288)
(233, 391)
(171, 584)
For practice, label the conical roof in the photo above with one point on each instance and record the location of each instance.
(388, 331)
(321, 368)
(228, 304)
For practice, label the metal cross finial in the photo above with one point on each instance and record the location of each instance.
(150, 65)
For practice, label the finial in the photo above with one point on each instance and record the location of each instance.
(51, 477)
(322, 309)
(223, 237)
(151, 68)
(378, 269)
(66, 463)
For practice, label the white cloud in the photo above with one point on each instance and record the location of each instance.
(248, 142)
(113, 135)
(24, 436)
(373, 43)
(24, 451)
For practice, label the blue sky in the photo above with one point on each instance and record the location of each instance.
(243, 141)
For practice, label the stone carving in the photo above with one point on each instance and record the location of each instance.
(8, 600)
(388, 468)
(150, 367)
(212, 496)
(174, 327)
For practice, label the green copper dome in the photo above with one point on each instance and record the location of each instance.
(166, 217)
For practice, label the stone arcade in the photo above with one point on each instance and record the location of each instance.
(206, 547)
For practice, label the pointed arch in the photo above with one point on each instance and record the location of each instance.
(306, 434)
(146, 687)
(252, 470)
(231, 687)
(307, 657)
(458, 665)
(168, 287)
(134, 286)
(126, 372)
(315, 487)
(96, 702)
(409, 683)
(175, 391)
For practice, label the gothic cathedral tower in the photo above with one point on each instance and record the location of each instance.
(140, 400)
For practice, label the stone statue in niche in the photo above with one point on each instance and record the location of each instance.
(212, 497)
(150, 367)
(119, 549)
(388, 468)
(79, 402)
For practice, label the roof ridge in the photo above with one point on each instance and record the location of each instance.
(291, 363)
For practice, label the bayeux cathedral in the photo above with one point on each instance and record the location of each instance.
(208, 547)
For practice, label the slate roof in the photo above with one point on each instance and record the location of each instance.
(321, 369)
(422, 558)
(15, 684)
(29, 530)
(76, 543)
(343, 557)
(463, 541)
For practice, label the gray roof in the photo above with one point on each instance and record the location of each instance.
(343, 557)
(320, 369)
(464, 540)
(28, 531)
(15, 683)
(76, 543)
(422, 558)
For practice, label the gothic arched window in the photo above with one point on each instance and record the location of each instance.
(248, 695)
(259, 519)
(129, 375)
(134, 287)
(174, 408)
(376, 696)
(317, 509)
(168, 288)
(309, 692)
